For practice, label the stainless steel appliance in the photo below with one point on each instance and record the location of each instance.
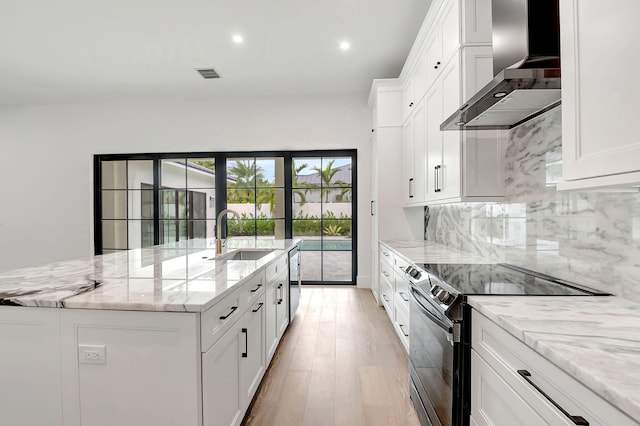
(526, 68)
(440, 334)
(294, 282)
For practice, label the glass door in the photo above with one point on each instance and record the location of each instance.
(322, 216)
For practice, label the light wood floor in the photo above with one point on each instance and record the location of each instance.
(339, 363)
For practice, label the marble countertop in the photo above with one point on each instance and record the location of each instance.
(430, 252)
(180, 277)
(596, 340)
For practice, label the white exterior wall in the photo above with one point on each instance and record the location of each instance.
(46, 158)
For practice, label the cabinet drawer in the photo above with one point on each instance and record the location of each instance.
(218, 319)
(386, 296)
(252, 290)
(400, 265)
(386, 255)
(519, 366)
(402, 295)
(401, 324)
(386, 272)
(277, 266)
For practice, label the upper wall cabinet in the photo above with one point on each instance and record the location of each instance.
(600, 92)
(449, 25)
(453, 61)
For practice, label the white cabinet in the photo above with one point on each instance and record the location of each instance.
(394, 290)
(512, 384)
(276, 305)
(253, 359)
(448, 166)
(414, 157)
(461, 166)
(600, 144)
(31, 391)
(389, 187)
(232, 369)
(222, 403)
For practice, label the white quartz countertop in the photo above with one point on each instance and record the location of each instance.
(596, 340)
(179, 277)
(430, 252)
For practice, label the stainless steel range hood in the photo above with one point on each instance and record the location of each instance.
(526, 66)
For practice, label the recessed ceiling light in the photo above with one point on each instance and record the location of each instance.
(345, 45)
(237, 39)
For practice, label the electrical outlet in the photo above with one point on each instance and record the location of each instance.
(92, 354)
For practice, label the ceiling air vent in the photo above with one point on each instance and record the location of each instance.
(208, 73)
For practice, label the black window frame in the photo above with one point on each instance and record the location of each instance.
(221, 189)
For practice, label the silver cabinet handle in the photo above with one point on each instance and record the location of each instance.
(403, 296)
(233, 309)
(372, 207)
(577, 420)
(385, 253)
(436, 172)
(411, 188)
(256, 289)
(385, 273)
(384, 296)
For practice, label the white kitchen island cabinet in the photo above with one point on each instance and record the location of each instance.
(600, 144)
(176, 342)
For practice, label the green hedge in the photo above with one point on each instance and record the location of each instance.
(302, 226)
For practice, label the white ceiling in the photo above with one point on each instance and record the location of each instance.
(55, 51)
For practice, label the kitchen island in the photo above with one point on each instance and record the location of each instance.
(166, 335)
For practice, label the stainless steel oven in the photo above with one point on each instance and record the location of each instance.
(440, 335)
(435, 352)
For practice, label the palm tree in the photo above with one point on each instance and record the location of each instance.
(244, 176)
(326, 176)
(301, 193)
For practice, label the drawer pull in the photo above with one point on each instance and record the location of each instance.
(384, 296)
(281, 298)
(257, 288)
(403, 296)
(258, 308)
(233, 309)
(385, 273)
(245, 354)
(577, 420)
(385, 253)
(402, 329)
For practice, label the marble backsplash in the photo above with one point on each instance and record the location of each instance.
(592, 238)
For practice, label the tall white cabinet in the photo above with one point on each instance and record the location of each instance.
(450, 61)
(388, 219)
(600, 144)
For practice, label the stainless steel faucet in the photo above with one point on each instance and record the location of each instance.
(219, 227)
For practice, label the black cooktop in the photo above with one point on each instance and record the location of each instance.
(502, 279)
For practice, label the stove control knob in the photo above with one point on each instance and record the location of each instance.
(415, 273)
(435, 290)
(409, 270)
(449, 299)
(443, 296)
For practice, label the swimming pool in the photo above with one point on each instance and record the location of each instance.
(327, 245)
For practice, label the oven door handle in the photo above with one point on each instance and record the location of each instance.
(446, 327)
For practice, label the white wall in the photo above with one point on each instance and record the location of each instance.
(46, 169)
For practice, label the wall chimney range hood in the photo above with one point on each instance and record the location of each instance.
(526, 68)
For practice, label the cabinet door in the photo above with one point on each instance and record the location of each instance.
(221, 397)
(252, 361)
(408, 178)
(449, 174)
(449, 28)
(433, 102)
(419, 154)
(282, 304)
(598, 108)
(271, 326)
(493, 402)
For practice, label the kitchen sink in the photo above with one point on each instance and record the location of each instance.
(246, 254)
